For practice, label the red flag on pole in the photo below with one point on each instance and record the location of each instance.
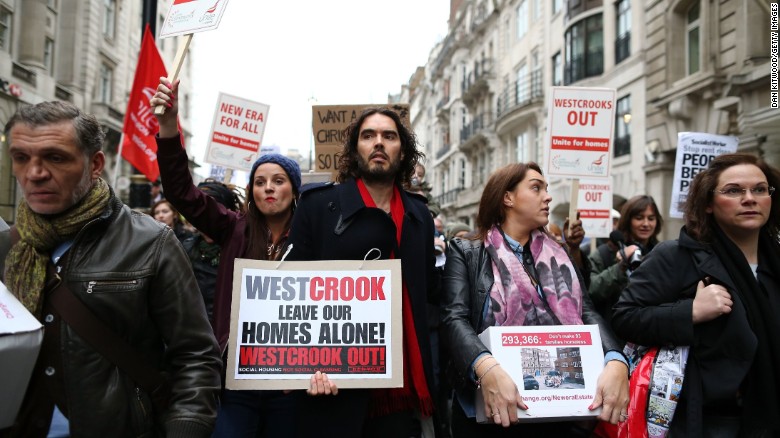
(138, 145)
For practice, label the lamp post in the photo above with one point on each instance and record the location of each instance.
(312, 101)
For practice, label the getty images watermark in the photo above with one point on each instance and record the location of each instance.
(774, 95)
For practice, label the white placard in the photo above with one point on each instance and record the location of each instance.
(595, 205)
(339, 317)
(192, 16)
(580, 130)
(695, 150)
(236, 133)
(556, 369)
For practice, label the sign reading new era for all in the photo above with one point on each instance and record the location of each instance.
(191, 16)
(580, 128)
(329, 123)
(236, 133)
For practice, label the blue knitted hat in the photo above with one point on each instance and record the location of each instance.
(289, 166)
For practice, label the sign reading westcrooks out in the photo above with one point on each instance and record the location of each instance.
(580, 129)
(594, 205)
(237, 132)
(695, 150)
(291, 319)
(192, 16)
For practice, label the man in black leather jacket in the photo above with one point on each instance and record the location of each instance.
(126, 269)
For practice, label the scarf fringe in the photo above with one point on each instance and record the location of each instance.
(386, 402)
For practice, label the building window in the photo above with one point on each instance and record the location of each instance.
(106, 84)
(522, 145)
(557, 73)
(522, 19)
(623, 42)
(507, 34)
(557, 5)
(5, 28)
(692, 39)
(109, 19)
(462, 174)
(51, 4)
(584, 43)
(48, 55)
(537, 9)
(523, 85)
(623, 127)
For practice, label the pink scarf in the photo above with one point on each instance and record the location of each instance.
(514, 299)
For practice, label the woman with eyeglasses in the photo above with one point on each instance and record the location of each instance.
(717, 290)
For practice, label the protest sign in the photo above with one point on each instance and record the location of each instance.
(695, 150)
(291, 319)
(328, 125)
(579, 136)
(191, 16)
(186, 17)
(236, 132)
(595, 205)
(556, 369)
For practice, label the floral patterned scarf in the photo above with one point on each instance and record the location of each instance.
(514, 298)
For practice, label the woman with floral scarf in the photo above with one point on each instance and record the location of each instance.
(514, 273)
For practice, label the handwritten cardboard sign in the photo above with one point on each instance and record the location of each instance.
(329, 123)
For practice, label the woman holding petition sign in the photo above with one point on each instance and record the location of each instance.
(717, 290)
(260, 234)
(637, 234)
(516, 274)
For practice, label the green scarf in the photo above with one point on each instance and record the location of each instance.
(25, 265)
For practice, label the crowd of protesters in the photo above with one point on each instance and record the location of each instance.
(78, 253)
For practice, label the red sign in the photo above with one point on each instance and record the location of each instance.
(563, 339)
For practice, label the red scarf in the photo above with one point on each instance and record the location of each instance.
(415, 395)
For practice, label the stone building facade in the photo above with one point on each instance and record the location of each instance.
(81, 51)
(677, 65)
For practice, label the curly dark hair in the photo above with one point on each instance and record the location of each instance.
(698, 223)
(348, 159)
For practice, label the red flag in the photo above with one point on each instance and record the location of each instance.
(139, 147)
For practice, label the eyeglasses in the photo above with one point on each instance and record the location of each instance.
(739, 192)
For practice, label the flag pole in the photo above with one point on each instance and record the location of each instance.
(118, 159)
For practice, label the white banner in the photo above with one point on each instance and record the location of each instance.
(594, 205)
(191, 16)
(236, 132)
(339, 317)
(580, 130)
(695, 150)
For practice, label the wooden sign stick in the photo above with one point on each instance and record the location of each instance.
(177, 63)
(575, 194)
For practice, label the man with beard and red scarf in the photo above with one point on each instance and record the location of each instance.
(369, 209)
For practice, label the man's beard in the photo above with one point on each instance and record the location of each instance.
(377, 174)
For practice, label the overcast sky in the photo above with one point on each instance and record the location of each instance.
(282, 53)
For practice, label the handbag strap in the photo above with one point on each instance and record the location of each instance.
(104, 339)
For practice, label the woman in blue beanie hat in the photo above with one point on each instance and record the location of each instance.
(260, 233)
